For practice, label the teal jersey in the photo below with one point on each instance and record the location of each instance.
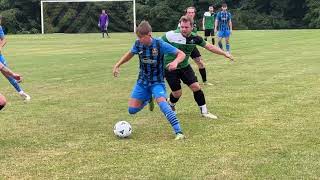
(185, 44)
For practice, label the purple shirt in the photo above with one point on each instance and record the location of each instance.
(103, 21)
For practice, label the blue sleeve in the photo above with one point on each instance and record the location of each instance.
(167, 48)
(134, 49)
(218, 17)
(1, 33)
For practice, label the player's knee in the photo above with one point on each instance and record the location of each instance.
(133, 110)
(195, 87)
(177, 94)
(161, 99)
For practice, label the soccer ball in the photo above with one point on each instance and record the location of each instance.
(122, 129)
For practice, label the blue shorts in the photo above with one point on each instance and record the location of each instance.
(223, 34)
(144, 93)
(2, 60)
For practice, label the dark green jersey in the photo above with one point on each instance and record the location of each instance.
(185, 44)
(209, 19)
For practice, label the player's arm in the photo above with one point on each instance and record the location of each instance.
(125, 58)
(3, 42)
(180, 55)
(230, 25)
(8, 73)
(216, 50)
(203, 23)
(215, 25)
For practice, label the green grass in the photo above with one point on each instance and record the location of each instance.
(267, 101)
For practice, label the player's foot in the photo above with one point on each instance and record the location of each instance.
(25, 96)
(151, 104)
(209, 115)
(173, 106)
(179, 136)
(207, 84)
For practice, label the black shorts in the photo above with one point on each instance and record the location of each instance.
(195, 53)
(186, 74)
(208, 32)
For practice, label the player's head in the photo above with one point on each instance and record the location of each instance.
(186, 25)
(211, 8)
(103, 11)
(191, 12)
(144, 32)
(224, 6)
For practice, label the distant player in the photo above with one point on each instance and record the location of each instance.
(223, 26)
(104, 23)
(150, 81)
(7, 73)
(11, 79)
(208, 21)
(195, 55)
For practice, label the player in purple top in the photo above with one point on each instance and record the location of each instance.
(103, 23)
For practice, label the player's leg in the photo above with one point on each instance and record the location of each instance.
(107, 30)
(220, 36)
(206, 34)
(173, 79)
(190, 79)
(159, 93)
(227, 41)
(212, 36)
(140, 97)
(14, 82)
(196, 56)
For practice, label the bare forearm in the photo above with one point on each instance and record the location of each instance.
(2, 43)
(230, 25)
(180, 56)
(125, 58)
(215, 49)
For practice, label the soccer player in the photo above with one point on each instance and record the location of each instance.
(195, 55)
(8, 73)
(186, 41)
(103, 23)
(11, 79)
(150, 81)
(223, 26)
(208, 21)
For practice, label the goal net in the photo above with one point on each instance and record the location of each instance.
(81, 16)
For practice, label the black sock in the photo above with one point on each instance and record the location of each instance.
(203, 74)
(173, 99)
(213, 41)
(199, 98)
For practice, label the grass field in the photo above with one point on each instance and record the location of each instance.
(267, 101)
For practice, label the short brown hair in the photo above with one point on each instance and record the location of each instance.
(186, 19)
(144, 28)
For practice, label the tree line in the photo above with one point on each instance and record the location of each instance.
(23, 16)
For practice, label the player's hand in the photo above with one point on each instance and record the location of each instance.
(229, 56)
(172, 66)
(116, 71)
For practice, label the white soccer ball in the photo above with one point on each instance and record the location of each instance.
(122, 129)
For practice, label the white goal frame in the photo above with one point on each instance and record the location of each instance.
(55, 1)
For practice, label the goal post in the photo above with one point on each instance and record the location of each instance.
(65, 1)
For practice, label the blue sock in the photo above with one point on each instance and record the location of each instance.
(228, 47)
(171, 116)
(14, 83)
(220, 45)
